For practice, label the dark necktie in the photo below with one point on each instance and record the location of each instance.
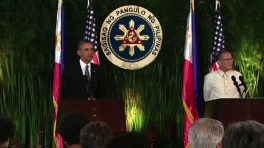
(87, 72)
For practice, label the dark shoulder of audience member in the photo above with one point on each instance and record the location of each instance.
(248, 134)
(130, 140)
(7, 129)
(95, 135)
(71, 125)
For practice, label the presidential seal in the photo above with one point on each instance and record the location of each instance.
(131, 37)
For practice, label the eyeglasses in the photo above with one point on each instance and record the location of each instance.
(229, 59)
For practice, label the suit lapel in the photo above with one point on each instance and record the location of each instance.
(79, 72)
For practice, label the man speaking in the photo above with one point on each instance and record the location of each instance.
(83, 79)
(225, 82)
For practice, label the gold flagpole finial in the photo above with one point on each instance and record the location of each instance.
(192, 4)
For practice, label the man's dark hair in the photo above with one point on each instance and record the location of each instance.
(95, 135)
(7, 129)
(130, 140)
(248, 134)
(71, 125)
(83, 42)
(219, 55)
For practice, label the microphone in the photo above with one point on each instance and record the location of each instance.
(234, 80)
(236, 84)
(243, 83)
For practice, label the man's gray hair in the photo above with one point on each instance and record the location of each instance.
(205, 133)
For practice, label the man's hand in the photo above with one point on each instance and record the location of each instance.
(90, 98)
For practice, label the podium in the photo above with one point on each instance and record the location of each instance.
(112, 112)
(234, 110)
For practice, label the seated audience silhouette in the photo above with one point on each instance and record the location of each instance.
(129, 140)
(248, 134)
(70, 128)
(95, 135)
(7, 130)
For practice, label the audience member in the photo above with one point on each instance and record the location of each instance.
(248, 134)
(130, 140)
(70, 128)
(95, 135)
(206, 133)
(7, 130)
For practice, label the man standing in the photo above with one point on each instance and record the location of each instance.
(70, 128)
(220, 84)
(83, 79)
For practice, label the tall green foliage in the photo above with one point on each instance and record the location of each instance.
(245, 38)
(25, 98)
(153, 102)
(26, 47)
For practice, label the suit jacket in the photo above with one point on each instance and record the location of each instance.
(74, 87)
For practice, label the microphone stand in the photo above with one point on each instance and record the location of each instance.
(239, 91)
(243, 83)
(91, 91)
(88, 87)
(237, 86)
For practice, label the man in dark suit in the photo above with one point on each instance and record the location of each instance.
(83, 79)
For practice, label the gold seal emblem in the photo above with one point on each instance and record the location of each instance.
(131, 37)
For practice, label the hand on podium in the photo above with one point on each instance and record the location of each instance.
(90, 98)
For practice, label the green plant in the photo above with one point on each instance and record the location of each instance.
(250, 63)
(244, 38)
(24, 99)
(153, 102)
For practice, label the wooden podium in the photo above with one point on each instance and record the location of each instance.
(111, 112)
(233, 110)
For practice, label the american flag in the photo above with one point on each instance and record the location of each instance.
(218, 44)
(90, 31)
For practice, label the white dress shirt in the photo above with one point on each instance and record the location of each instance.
(83, 67)
(220, 85)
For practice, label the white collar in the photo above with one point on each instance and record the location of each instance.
(221, 73)
(83, 64)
